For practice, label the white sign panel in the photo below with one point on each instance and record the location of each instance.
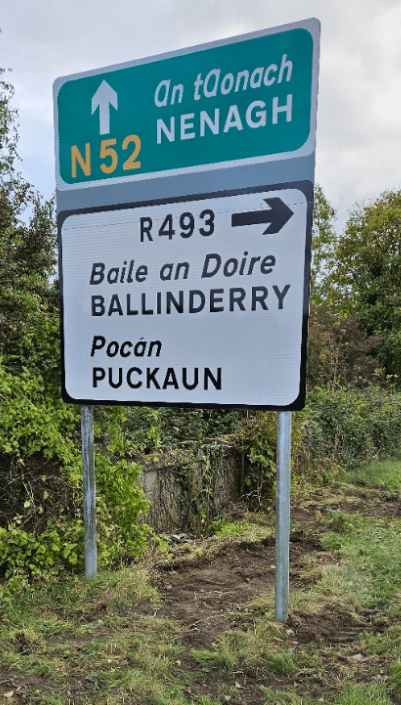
(199, 300)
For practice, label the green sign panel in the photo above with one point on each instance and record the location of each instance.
(240, 102)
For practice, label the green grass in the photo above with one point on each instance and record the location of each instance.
(374, 694)
(261, 647)
(370, 573)
(82, 642)
(383, 473)
(88, 632)
(287, 697)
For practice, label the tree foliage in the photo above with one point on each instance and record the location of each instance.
(367, 275)
(341, 350)
(40, 454)
(28, 302)
(324, 240)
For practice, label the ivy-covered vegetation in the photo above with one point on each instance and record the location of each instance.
(40, 460)
(353, 410)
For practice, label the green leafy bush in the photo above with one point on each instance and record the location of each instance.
(41, 475)
(338, 428)
(343, 426)
(256, 442)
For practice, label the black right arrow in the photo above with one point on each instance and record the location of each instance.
(277, 216)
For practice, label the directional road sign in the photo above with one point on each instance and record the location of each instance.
(196, 300)
(184, 197)
(247, 100)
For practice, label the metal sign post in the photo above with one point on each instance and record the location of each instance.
(283, 515)
(88, 463)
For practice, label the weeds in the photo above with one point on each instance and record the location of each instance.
(74, 641)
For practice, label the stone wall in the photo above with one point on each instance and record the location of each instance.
(187, 489)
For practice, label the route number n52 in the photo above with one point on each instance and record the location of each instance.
(108, 156)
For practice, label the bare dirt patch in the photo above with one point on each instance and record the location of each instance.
(374, 502)
(11, 685)
(331, 626)
(206, 596)
(247, 685)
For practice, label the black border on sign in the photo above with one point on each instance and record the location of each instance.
(306, 187)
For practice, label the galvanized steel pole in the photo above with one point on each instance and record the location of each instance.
(88, 462)
(282, 572)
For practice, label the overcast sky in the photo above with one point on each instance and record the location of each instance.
(359, 105)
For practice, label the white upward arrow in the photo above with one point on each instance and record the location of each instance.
(102, 99)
